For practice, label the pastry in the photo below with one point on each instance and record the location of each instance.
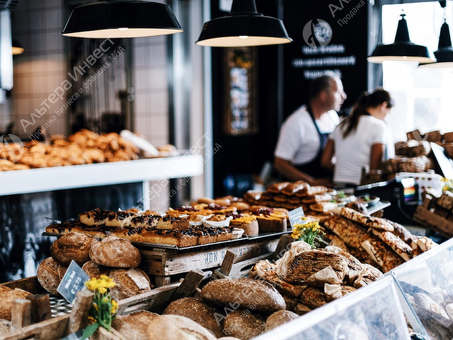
(247, 222)
(94, 217)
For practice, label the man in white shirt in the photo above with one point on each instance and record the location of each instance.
(304, 133)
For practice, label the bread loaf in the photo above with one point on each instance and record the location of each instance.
(115, 252)
(72, 246)
(49, 274)
(95, 270)
(129, 282)
(197, 311)
(8, 295)
(312, 261)
(135, 325)
(244, 324)
(244, 292)
(175, 327)
(279, 318)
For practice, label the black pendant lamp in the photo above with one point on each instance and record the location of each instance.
(402, 49)
(444, 53)
(243, 26)
(17, 47)
(121, 19)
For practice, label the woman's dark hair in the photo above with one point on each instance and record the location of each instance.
(360, 108)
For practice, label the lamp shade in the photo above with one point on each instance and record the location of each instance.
(402, 49)
(444, 53)
(121, 19)
(17, 47)
(243, 26)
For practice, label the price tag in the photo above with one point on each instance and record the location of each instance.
(73, 282)
(295, 215)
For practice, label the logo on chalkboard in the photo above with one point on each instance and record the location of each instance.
(13, 148)
(317, 32)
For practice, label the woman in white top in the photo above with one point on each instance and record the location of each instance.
(362, 138)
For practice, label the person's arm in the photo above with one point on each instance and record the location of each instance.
(377, 153)
(294, 174)
(327, 155)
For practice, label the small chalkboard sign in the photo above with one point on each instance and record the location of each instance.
(73, 282)
(295, 215)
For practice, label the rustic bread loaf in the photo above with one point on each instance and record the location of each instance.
(95, 270)
(115, 252)
(279, 318)
(135, 325)
(176, 327)
(8, 295)
(244, 324)
(312, 261)
(196, 310)
(244, 292)
(72, 246)
(129, 282)
(49, 274)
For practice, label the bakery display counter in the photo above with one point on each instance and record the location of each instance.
(99, 174)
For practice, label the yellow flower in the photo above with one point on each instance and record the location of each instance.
(96, 307)
(102, 290)
(90, 318)
(114, 306)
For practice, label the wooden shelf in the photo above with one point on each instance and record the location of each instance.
(90, 175)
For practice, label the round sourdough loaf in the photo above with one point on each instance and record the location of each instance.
(95, 270)
(49, 274)
(115, 252)
(8, 295)
(246, 292)
(196, 310)
(175, 327)
(72, 246)
(129, 282)
(279, 318)
(244, 324)
(135, 325)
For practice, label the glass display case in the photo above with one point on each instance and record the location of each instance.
(427, 285)
(371, 313)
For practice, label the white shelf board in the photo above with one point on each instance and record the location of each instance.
(90, 175)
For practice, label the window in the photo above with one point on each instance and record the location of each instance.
(423, 97)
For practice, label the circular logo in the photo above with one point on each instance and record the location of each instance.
(317, 33)
(11, 147)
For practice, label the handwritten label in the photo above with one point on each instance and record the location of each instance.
(73, 282)
(295, 215)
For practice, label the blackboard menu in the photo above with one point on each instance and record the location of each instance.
(327, 36)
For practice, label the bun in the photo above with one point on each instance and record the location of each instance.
(95, 270)
(115, 252)
(279, 318)
(175, 327)
(72, 246)
(197, 311)
(49, 274)
(135, 325)
(225, 291)
(129, 282)
(8, 295)
(244, 325)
